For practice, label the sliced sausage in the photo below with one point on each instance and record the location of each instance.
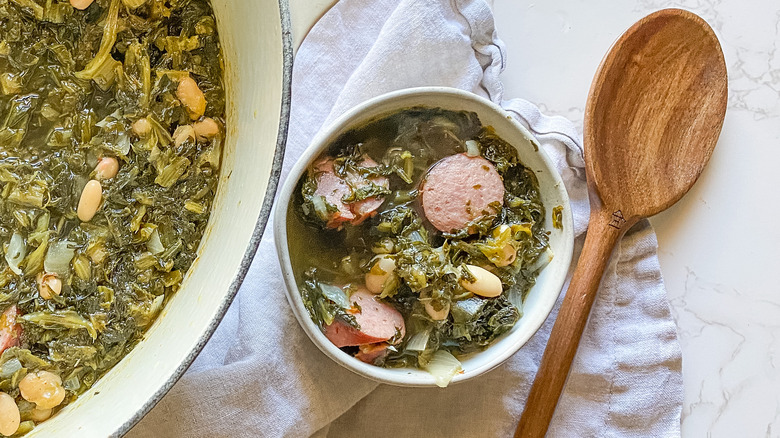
(10, 330)
(371, 352)
(367, 207)
(335, 188)
(378, 321)
(459, 190)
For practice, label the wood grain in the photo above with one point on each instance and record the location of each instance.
(654, 114)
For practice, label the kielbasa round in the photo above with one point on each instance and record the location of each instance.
(460, 189)
(10, 329)
(335, 188)
(378, 321)
(371, 352)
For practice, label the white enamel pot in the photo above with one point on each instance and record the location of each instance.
(541, 298)
(255, 38)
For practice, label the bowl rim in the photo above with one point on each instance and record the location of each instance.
(320, 142)
(257, 233)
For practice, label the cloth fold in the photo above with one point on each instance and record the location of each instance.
(261, 376)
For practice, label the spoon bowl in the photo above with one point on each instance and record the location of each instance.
(654, 114)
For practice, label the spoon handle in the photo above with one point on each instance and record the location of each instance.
(604, 231)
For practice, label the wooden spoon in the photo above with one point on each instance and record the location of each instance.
(654, 114)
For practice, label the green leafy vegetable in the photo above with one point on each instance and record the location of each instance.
(103, 63)
(557, 217)
(65, 319)
(73, 85)
(18, 113)
(335, 294)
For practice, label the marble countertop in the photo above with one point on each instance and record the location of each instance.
(717, 245)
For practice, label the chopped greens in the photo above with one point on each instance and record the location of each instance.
(557, 217)
(91, 95)
(424, 269)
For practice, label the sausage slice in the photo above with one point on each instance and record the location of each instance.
(371, 352)
(378, 321)
(10, 330)
(334, 188)
(460, 189)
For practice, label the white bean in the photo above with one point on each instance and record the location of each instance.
(142, 127)
(42, 388)
(206, 128)
(191, 97)
(49, 285)
(9, 415)
(106, 168)
(508, 256)
(380, 271)
(508, 252)
(90, 200)
(37, 415)
(485, 283)
(81, 4)
(436, 315)
(182, 134)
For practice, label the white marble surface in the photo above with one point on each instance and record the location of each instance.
(717, 245)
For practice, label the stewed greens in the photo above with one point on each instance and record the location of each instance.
(111, 130)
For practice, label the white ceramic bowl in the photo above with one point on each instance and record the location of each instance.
(258, 62)
(540, 299)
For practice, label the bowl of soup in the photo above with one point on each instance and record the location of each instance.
(424, 237)
(130, 131)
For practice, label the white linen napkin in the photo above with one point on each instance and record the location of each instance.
(261, 376)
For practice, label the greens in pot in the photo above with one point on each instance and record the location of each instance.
(111, 130)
